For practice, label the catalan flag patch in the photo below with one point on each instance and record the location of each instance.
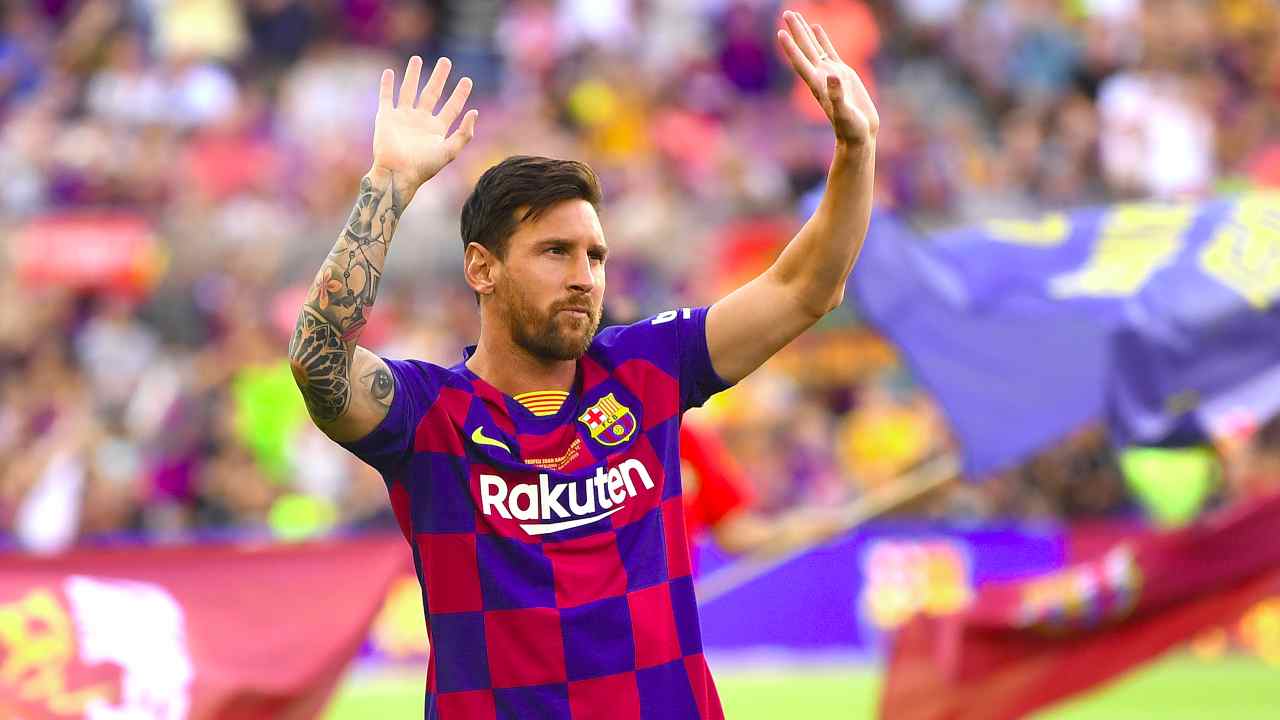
(542, 403)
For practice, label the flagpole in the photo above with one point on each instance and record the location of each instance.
(906, 488)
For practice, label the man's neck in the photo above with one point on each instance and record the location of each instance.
(510, 368)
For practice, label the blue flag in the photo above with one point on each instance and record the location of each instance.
(1148, 315)
(1199, 353)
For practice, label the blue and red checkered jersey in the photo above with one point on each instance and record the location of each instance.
(552, 550)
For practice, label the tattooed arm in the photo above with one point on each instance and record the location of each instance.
(323, 353)
(347, 388)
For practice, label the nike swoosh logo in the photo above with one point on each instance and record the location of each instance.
(478, 437)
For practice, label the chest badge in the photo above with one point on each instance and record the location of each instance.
(609, 421)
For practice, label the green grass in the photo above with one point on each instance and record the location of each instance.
(1182, 688)
(377, 697)
(1178, 688)
(830, 694)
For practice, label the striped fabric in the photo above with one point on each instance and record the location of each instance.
(542, 403)
(611, 406)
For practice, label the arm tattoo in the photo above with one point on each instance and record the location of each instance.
(320, 366)
(380, 385)
(339, 302)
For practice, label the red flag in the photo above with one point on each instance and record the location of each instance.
(1025, 644)
(203, 632)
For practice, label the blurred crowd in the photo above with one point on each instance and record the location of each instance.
(204, 154)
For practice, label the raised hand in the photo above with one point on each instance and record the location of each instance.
(836, 86)
(348, 389)
(411, 140)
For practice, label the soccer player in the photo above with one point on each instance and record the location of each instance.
(537, 481)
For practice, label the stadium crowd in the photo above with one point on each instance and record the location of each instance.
(214, 148)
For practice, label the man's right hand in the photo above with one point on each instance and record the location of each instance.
(410, 140)
(349, 390)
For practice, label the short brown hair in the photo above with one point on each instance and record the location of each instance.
(522, 181)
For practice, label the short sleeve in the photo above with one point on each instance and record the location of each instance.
(676, 342)
(698, 379)
(389, 445)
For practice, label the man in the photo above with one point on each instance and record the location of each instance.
(548, 534)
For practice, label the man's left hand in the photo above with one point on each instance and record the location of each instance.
(836, 86)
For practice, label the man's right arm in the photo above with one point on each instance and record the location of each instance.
(348, 390)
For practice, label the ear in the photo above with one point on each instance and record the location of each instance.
(481, 268)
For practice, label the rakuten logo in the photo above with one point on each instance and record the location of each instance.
(560, 507)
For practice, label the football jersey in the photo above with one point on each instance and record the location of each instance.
(551, 550)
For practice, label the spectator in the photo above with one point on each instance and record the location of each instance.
(233, 133)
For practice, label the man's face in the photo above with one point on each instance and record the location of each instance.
(551, 285)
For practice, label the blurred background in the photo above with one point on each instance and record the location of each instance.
(174, 171)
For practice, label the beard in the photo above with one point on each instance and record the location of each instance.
(548, 334)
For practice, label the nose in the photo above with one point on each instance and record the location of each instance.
(581, 278)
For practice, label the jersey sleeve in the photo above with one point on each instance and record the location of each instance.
(698, 379)
(389, 445)
(676, 342)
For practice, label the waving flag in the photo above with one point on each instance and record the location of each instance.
(187, 633)
(1199, 353)
(1025, 644)
(1145, 314)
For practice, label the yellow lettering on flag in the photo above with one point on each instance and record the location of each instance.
(38, 646)
(1244, 254)
(1046, 232)
(1134, 243)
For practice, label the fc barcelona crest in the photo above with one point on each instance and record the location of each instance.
(610, 422)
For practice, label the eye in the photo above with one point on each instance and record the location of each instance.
(556, 250)
(597, 256)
